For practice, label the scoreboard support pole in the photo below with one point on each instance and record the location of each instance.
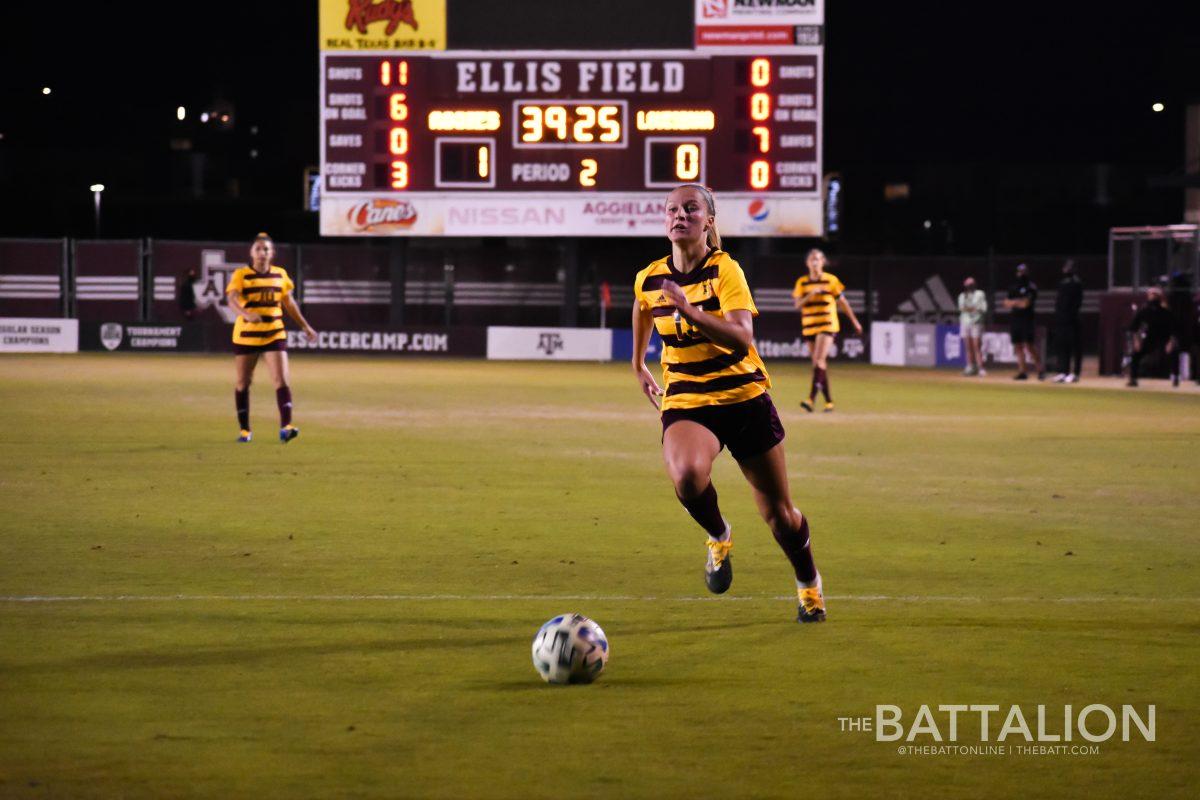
(398, 274)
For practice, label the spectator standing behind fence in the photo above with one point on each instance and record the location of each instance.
(1153, 330)
(1182, 305)
(1022, 298)
(1068, 337)
(972, 305)
(187, 295)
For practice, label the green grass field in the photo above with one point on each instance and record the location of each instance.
(350, 615)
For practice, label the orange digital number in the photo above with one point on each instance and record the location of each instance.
(760, 106)
(764, 138)
(398, 141)
(398, 107)
(485, 161)
(581, 131)
(760, 175)
(687, 162)
(531, 124)
(399, 175)
(587, 172)
(760, 72)
(610, 124)
(556, 120)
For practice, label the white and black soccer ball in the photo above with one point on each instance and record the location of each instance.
(570, 649)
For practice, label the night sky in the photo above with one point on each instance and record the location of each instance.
(941, 94)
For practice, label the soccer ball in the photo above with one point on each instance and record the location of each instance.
(570, 649)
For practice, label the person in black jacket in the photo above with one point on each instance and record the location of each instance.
(1068, 338)
(1153, 330)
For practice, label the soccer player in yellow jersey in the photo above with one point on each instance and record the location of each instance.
(715, 390)
(819, 295)
(260, 293)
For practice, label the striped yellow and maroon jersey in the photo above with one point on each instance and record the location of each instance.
(696, 371)
(263, 295)
(818, 314)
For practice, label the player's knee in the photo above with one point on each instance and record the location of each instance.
(691, 478)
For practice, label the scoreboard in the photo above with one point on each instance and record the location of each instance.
(568, 143)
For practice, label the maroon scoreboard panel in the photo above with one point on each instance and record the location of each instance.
(567, 144)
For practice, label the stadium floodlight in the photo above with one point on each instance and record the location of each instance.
(1157, 107)
(181, 113)
(45, 90)
(97, 189)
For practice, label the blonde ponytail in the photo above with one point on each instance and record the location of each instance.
(714, 236)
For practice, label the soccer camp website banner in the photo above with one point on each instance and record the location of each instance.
(376, 25)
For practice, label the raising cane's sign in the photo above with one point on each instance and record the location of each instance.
(379, 214)
(373, 25)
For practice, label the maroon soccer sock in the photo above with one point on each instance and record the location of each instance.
(825, 385)
(241, 401)
(816, 382)
(703, 508)
(283, 398)
(796, 546)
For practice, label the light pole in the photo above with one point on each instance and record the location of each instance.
(97, 189)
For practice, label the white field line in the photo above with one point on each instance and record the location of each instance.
(491, 598)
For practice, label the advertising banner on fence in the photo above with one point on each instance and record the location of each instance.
(36, 335)
(493, 214)
(140, 336)
(851, 348)
(887, 343)
(215, 338)
(549, 344)
(917, 344)
(622, 345)
(920, 344)
(406, 341)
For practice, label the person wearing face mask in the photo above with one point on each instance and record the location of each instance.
(714, 392)
(972, 305)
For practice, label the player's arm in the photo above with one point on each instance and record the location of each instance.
(735, 331)
(849, 312)
(235, 303)
(643, 320)
(293, 310)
